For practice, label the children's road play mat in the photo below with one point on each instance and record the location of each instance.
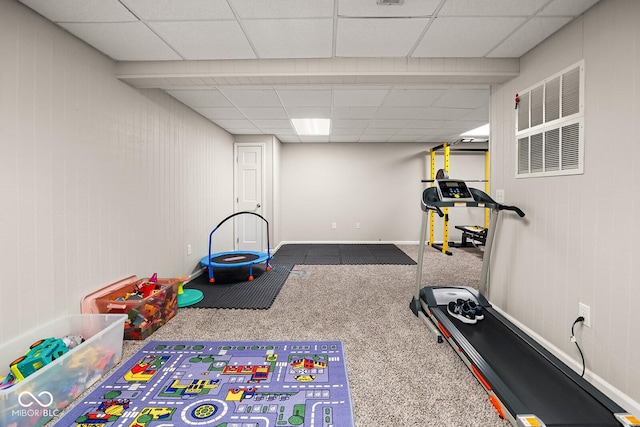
(222, 384)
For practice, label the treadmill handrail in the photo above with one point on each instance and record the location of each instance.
(431, 201)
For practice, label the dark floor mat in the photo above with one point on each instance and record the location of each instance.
(337, 254)
(232, 289)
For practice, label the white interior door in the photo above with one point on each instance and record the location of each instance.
(250, 230)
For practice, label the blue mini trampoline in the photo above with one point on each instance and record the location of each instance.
(234, 259)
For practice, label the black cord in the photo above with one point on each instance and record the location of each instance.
(573, 338)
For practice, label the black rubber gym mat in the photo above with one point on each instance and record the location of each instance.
(342, 254)
(232, 289)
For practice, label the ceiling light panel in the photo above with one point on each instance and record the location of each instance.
(323, 112)
(377, 37)
(81, 11)
(202, 40)
(291, 38)
(181, 10)
(370, 8)
(114, 40)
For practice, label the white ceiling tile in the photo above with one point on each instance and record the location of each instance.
(426, 124)
(413, 97)
(220, 113)
(172, 10)
(236, 124)
(114, 40)
(461, 98)
(288, 138)
(405, 138)
(308, 138)
(358, 97)
(291, 38)
(479, 114)
(396, 113)
(264, 113)
(283, 9)
(490, 7)
(353, 112)
(195, 40)
(373, 138)
(384, 123)
(270, 125)
(443, 113)
(200, 98)
(81, 10)
(342, 138)
(475, 37)
(373, 37)
(348, 124)
(305, 97)
(528, 36)
(369, 8)
(309, 112)
(567, 7)
(249, 97)
(351, 131)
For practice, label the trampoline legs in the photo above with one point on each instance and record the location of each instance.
(211, 278)
(250, 272)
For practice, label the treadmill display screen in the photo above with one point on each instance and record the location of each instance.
(454, 190)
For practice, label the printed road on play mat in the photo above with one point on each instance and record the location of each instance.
(222, 383)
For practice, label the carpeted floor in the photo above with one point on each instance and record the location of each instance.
(399, 375)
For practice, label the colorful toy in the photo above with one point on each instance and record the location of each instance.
(40, 354)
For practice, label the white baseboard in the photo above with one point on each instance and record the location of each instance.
(612, 392)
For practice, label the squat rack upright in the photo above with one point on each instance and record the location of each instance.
(447, 150)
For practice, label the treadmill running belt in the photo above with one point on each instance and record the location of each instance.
(547, 392)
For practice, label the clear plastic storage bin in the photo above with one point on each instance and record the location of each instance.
(42, 395)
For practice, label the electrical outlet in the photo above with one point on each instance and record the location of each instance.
(585, 311)
(334, 225)
(500, 196)
(188, 250)
(357, 225)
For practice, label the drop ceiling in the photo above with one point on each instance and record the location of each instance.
(420, 71)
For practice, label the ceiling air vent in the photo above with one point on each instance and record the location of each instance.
(390, 2)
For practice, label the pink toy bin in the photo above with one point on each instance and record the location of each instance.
(144, 316)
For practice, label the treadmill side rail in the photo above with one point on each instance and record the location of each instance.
(627, 420)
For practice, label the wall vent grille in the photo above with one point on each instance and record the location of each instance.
(550, 126)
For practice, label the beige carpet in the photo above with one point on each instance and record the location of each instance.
(399, 375)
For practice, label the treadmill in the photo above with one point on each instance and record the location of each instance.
(527, 384)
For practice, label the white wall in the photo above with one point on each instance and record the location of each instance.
(376, 185)
(98, 181)
(579, 242)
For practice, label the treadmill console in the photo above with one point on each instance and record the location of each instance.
(453, 190)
